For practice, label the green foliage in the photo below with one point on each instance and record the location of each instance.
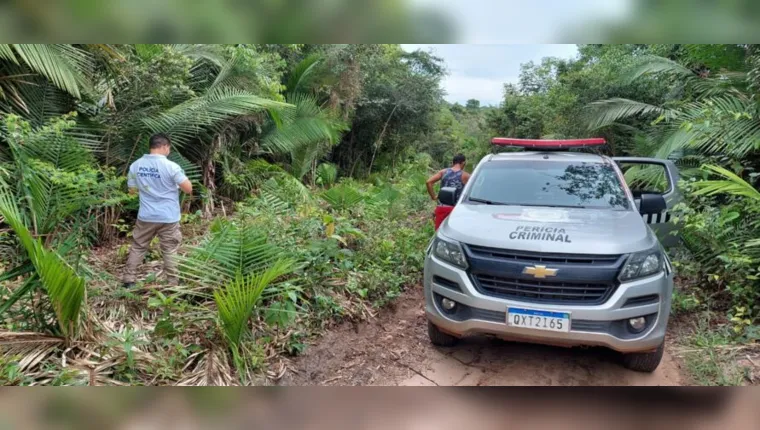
(128, 340)
(327, 174)
(718, 234)
(229, 252)
(64, 287)
(732, 184)
(63, 65)
(236, 299)
(342, 197)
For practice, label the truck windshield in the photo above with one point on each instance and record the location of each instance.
(548, 184)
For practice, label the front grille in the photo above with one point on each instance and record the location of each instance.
(583, 279)
(544, 291)
(537, 257)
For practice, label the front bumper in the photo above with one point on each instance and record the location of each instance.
(597, 325)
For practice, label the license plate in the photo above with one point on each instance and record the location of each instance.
(539, 320)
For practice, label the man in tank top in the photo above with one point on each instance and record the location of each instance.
(453, 177)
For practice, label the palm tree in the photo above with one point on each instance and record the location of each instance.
(65, 66)
(312, 129)
(48, 182)
(722, 118)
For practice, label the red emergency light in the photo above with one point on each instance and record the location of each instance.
(548, 144)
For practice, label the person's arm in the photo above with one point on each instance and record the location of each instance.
(432, 180)
(131, 182)
(465, 177)
(186, 186)
(181, 180)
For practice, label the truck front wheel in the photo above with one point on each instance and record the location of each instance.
(439, 338)
(644, 361)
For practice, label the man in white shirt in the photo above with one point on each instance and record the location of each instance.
(157, 181)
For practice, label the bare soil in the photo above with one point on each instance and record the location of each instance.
(393, 349)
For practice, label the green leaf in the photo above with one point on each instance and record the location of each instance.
(342, 197)
(64, 287)
(280, 314)
(237, 299)
(165, 328)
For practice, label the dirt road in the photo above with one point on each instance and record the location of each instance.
(393, 349)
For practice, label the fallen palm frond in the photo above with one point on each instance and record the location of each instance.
(212, 369)
(30, 349)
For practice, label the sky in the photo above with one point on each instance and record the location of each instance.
(480, 71)
(526, 21)
(497, 32)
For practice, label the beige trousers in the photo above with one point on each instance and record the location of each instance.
(169, 236)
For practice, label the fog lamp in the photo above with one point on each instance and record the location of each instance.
(637, 324)
(448, 304)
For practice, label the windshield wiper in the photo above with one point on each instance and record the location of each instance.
(550, 206)
(487, 202)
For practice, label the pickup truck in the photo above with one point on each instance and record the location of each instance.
(555, 246)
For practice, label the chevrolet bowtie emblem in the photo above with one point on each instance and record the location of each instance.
(539, 271)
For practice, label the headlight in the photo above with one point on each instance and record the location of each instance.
(643, 264)
(450, 252)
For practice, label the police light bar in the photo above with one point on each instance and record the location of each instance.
(548, 144)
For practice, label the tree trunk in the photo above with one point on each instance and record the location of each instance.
(209, 178)
(379, 140)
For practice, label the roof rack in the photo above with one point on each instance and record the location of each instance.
(548, 144)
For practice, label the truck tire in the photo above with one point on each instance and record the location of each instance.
(439, 338)
(644, 361)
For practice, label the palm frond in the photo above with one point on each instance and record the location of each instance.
(723, 124)
(274, 203)
(732, 184)
(29, 348)
(212, 54)
(6, 53)
(342, 197)
(327, 174)
(189, 119)
(213, 369)
(64, 65)
(652, 65)
(64, 287)
(287, 188)
(303, 74)
(225, 74)
(307, 124)
(237, 299)
(606, 112)
(227, 253)
(674, 142)
(301, 159)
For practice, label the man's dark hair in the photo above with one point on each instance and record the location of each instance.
(159, 140)
(458, 159)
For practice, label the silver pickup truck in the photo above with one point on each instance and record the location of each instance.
(555, 247)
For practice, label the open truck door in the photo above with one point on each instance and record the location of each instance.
(647, 177)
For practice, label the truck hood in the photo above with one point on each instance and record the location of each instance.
(551, 230)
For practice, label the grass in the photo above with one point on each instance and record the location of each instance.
(711, 355)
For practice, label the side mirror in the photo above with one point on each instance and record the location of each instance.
(448, 196)
(652, 204)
